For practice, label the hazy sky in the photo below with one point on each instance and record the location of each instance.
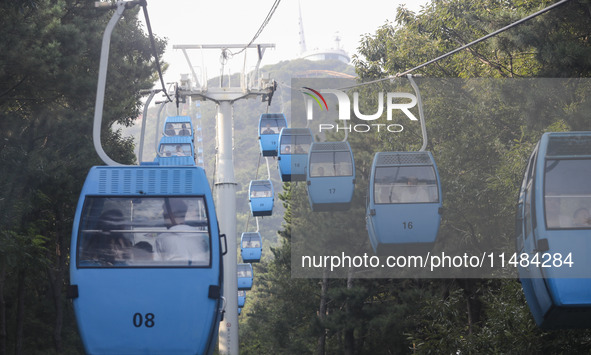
(236, 21)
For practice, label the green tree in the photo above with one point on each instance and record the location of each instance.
(48, 76)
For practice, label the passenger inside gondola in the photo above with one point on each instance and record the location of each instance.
(261, 191)
(567, 194)
(182, 243)
(142, 251)
(412, 184)
(385, 195)
(184, 131)
(269, 130)
(169, 130)
(302, 148)
(413, 192)
(179, 150)
(108, 246)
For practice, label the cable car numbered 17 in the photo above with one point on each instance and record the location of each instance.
(146, 258)
(404, 203)
(554, 231)
(330, 176)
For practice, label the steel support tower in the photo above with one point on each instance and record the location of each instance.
(251, 86)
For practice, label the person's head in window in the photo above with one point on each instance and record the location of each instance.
(169, 131)
(143, 251)
(268, 129)
(108, 245)
(174, 211)
(184, 131)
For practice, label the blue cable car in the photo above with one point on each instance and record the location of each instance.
(251, 247)
(554, 228)
(245, 276)
(294, 144)
(261, 197)
(176, 151)
(146, 261)
(241, 298)
(270, 125)
(330, 176)
(178, 126)
(404, 203)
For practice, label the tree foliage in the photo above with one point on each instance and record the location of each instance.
(48, 77)
(481, 139)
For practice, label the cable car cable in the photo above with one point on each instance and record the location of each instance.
(421, 113)
(144, 5)
(268, 170)
(256, 176)
(492, 34)
(262, 27)
(144, 119)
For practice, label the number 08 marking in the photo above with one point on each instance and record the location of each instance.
(138, 320)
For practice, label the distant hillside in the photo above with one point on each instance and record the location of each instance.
(246, 147)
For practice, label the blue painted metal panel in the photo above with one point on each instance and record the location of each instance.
(251, 247)
(294, 146)
(140, 299)
(241, 298)
(553, 208)
(404, 206)
(261, 197)
(270, 125)
(245, 276)
(176, 151)
(330, 177)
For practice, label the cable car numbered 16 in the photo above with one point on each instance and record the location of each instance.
(404, 203)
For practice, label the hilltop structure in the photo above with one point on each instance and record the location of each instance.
(336, 53)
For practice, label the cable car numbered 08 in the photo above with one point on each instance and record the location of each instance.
(136, 227)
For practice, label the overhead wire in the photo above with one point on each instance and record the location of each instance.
(262, 27)
(144, 5)
(492, 34)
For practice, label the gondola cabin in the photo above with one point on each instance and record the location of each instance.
(178, 126)
(294, 146)
(404, 203)
(145, 266)
(554, 228)
(245, 276)
(270, 125)
(261, 197)
(241, 298)
(175, 151)
(251, 247)
(330, 176)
